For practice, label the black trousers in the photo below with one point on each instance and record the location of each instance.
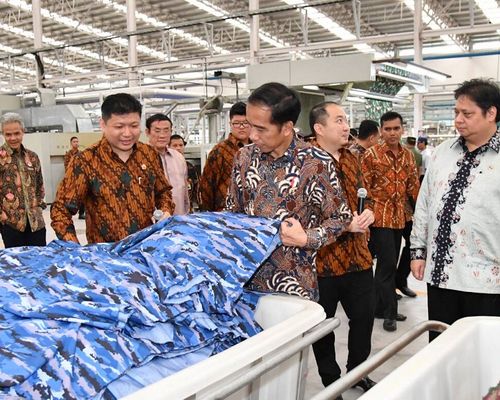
(355, 292)
(385, 244)
(448, 306)
(404, 260)
(14, 238)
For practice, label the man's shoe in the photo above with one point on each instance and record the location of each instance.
(401, 317)
(390, 325)
(407, 291)
(366, 384)
(398, 296)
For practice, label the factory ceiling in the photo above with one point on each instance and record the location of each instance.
(86, 42)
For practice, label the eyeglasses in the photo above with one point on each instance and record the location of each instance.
(244, 124)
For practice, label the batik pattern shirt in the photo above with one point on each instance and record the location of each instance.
(301, 184)
(456, 226)
(216, 175)
(119, 197)
(392, 181)
(193, 186)
(22, 191)
(69, 156)
(349, 253)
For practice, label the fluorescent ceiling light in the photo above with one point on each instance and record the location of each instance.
(311, 87)
(158, 24)
(239, 23)
(431, 19)
(330, 25)
(490, 9)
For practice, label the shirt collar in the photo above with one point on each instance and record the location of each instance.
(238, 143)
(10, 151)
(385, 148)
(288, 155)
(107, 148)
(493, 143)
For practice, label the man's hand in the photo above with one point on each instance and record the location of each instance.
(360, 223)
(292, 233)
(417, 269)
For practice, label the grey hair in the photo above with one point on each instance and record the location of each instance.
(11, 117)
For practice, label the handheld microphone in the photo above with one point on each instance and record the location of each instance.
(362, 193)
(157, 215)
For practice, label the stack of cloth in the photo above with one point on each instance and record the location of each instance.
(104, 320)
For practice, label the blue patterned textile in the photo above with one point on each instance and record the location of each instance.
(74, 319)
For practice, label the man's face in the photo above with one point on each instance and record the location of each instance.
(122, 131)
(240, 128)
(268, 137)
(177, 144)
(159, 134)
(391, 131)
(74, 144)
(421, 146)
(335, 131)
(470, 120)
(13, 133)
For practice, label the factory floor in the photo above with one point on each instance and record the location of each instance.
(414, 308)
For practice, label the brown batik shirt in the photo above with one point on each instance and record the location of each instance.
(119, 197)
(392, 181)
(69, 156)
(216, 175)
(22, 191)
(349, 253)
(301, 184)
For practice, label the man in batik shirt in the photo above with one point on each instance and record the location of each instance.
(391, 177)
(368, 135)
(280, 176)
(21, 188)
(216, 174)
(119, 180)
(70, 154)
(345, 271)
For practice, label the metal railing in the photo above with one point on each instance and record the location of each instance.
(311, 336)
(362, 370)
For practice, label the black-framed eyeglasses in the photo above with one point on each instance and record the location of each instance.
(244, 124)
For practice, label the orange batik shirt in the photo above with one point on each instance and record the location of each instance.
(393, 181)
(349, 253)
(119, 197)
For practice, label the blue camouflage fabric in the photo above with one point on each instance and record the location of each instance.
(74, 319)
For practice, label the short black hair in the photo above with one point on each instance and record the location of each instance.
(411, 140)
(72, 137)
(318, 114)
(367, 128)
(283, 102)
(422, 139)
(389, 116)
(238, 108)
(157, 117)
(177, 137)
(484, 92)
(120, 104)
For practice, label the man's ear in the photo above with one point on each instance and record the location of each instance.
(492, 113)
(287, 128)
(318, 129)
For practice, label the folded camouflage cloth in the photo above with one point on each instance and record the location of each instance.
(74, 319)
